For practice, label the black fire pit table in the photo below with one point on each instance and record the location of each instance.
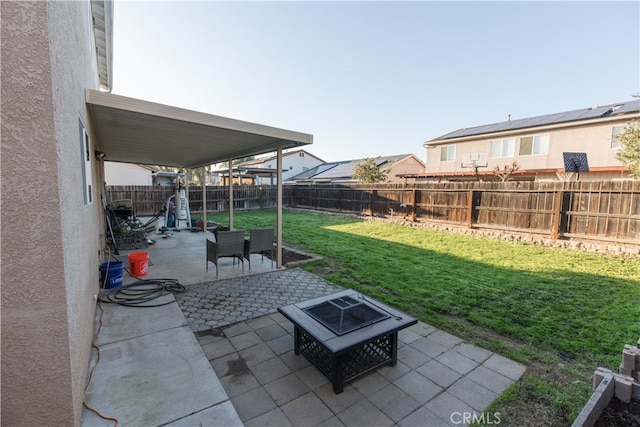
(346, 334)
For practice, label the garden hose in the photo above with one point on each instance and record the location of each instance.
(140, 293)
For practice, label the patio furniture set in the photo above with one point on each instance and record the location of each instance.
(345, 335)
(235, 244)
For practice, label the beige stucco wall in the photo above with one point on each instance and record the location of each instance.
(407, 165)
(50, 240)
(593, 139)
(126, 174)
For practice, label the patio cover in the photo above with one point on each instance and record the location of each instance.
(134, 131)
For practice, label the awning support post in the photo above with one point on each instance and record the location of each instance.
(204, 199)
(279, 210)
(230, 194)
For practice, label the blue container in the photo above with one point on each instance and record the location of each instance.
(113, 271)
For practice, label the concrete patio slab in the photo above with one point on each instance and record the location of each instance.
(221, 355)
(152, 371)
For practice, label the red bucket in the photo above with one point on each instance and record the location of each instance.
(139, 264)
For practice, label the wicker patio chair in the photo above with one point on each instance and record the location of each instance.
(260, 241)
(227, 244)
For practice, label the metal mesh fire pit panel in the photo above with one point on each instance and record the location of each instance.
(346, 314)
(362, 359)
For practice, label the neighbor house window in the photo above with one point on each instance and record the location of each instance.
(537, 144)
(616, 131)
(502, 147)
(448, 153)
(85, 161)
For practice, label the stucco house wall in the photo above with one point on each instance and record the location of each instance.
(50, 237)
(408, 165)
(116, 173)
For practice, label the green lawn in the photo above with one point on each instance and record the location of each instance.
(561, 312)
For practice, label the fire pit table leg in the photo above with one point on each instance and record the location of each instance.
(394, 349)
(296, 340)
(338, 374)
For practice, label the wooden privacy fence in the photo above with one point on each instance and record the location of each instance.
(596, 210)
(148, 200)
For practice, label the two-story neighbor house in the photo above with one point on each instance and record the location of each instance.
(540, 145)
(262, 170)
(342, 172)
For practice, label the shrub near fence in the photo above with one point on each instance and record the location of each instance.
(594, 210)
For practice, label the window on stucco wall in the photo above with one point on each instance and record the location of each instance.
(616, 131)
(448, 153)
(502, 147)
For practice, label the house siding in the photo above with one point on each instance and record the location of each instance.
(127, 174)
(592, 138)
(50, 267)
(409, 165)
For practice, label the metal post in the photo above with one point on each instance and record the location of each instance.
(204, 199)
(279, 209)
(230, 194)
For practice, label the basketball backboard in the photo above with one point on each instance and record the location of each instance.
(474, 160)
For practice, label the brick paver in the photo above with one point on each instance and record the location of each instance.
(250, 347)
(225, 302)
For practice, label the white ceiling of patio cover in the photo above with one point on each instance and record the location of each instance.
(134, 131)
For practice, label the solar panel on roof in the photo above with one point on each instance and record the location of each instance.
(341, 170)
(567, 116)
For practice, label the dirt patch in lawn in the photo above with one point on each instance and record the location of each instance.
(290, 256)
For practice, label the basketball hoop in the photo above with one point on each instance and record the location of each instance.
(474, 161)
(471, 164)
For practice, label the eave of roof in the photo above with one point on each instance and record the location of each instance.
(102, 15)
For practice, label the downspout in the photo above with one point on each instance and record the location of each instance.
(279, 210)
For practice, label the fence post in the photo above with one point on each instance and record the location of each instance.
(413, 206)
(372, 200)
(557, 209)
(470, 208)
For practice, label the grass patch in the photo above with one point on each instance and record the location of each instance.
(561, 312)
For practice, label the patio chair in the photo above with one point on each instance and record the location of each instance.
(260, 241)
(227, 244)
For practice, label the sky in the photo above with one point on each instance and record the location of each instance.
(371, 79)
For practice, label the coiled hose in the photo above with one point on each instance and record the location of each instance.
(141, 293)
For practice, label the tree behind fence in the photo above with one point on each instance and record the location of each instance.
(600, 210)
